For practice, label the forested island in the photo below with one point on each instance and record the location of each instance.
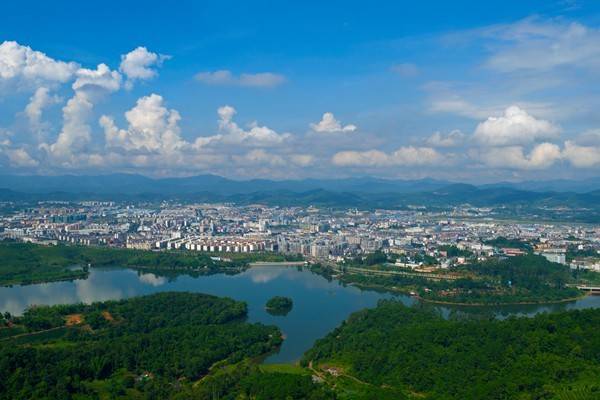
(26, 263)
(415, 353)
(515, 280)
(279, 305)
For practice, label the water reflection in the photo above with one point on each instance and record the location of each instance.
(152, 279)
(320, 305)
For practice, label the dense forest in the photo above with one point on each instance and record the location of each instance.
(417, 351)
(150, 346)
(24, 263)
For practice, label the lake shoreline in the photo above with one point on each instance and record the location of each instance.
(450, 303)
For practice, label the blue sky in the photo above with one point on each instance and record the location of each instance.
(463, 90)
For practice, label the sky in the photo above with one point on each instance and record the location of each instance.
(465, 90)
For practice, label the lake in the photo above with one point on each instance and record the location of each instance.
(319, 305)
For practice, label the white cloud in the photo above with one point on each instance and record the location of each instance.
(69, 148)
(152, 127)
(102, 78)
(302, 160)
(259, 157)
(516, 126)
(4, 137)
(404, 156)
(20, 158)
(75, 133)
(139, 63)
(17, 61)
(37, 103)
(264, 79)
(581, 156)
(328, 124)
(226, 78)
(452, 139)
(231, 133)
(542, 156)
(221, 77)
(538, 45)
(370, 158)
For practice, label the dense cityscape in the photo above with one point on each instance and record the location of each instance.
(420, 237)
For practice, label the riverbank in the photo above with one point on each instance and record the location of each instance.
(411, 292)
(66, 277)
(278, 264)
(520, 303)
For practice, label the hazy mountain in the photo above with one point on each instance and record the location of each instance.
(130, 184)
(126, 184)
(557, 185)
(355, 192)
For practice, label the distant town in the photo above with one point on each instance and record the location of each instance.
(415, 239)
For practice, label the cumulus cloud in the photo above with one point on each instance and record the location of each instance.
(139, 64)
(452, 139)
(227, 78)
(90, 85)
(151, 127)
(581, 156)
(152, 138)
(515, 126)
(404, 156)
(231, 133)
(20, 158)
(541, 156)
(102, 78)
(75, 133)
(17, 61)
(37, 103)
(328, 124)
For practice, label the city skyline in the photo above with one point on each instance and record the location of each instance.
(279, 92)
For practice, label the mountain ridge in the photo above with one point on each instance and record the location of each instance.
(131, 184)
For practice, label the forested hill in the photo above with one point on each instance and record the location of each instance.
(444, 197)
(147, 347)
(351, 192)
(550, 356)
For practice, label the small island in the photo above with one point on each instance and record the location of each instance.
(279, 305)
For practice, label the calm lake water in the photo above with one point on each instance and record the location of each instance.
(319, 305)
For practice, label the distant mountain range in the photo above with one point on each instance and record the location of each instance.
(130, 184)
(137, 184)
(352, 192)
